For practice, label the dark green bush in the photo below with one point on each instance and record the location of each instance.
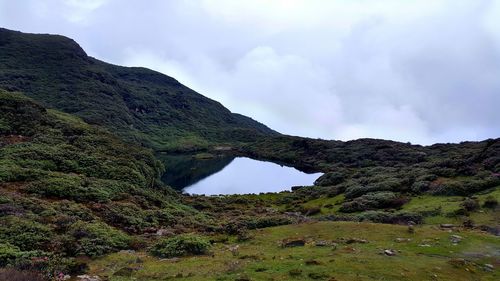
(25, 234)
(10, 254)
(374, 200)
(181, 245)
(470, 205)
(96, 239)
(331, 178)
(490, 202)
(267, 221)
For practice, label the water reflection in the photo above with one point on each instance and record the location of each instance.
(186, 170)
(229, 175)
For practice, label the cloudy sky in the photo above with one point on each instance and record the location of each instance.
(408, 70)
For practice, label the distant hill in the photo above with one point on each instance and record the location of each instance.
(136, 103)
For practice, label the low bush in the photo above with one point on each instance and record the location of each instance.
(490, 202)
(331, 178)
(374, 200)
(8, 254)
(181, 245)
(96, 239)
(25, 234)
(267, 221)
(378, 216)
(470, 205)
(310, 211)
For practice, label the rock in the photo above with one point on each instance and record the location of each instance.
(356, 240)
(234, 250)
(171, 260)
(447, 225)
(127, 252)
(389, 252)
(411, 229)
(164, 232)
(322, 243)
(86, 277)
(424, 245)
(149, 230)
(495, 230)
(455, 239)
(401, 240)
(488, 267)
(348, 249)
(312, 262)
(293, 242)
(468, 224)
(66, 277)
(459, 263)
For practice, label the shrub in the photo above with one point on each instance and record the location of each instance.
(12, 274)
(420, 186)
(381, 184)
(181, 245)
(11, 255)
(267, 221)
(470, 205)
(310, 211)
(127, 215)
(490, 202)
(374, 200)
(8, 254)
(25, 234)
(331, 178)
(96, 239)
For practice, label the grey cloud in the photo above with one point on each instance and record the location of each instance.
(423, 71)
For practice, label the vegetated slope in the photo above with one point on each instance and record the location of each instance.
(369, 175)
(136, 103)
(68, 188)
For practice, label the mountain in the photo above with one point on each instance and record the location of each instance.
(138, 104)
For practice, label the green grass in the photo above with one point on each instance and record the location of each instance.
(328, 205)
(446, 206)
(262, 258)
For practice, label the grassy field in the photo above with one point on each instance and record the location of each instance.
(426, 254)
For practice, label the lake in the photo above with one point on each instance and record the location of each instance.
(230, 175)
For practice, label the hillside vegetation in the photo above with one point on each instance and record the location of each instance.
(135, 103)
(69, 189)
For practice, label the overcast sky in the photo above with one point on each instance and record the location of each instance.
(407, 70)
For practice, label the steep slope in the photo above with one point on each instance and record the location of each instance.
(136, 103)
(68, 189)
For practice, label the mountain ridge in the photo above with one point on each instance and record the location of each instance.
(137, 103)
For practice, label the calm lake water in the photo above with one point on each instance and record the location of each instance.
(230, 175)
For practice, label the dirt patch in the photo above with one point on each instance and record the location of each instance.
(12, 139)
(13, 186)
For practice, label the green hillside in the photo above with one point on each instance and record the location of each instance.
(69, 189)
(136, 103)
